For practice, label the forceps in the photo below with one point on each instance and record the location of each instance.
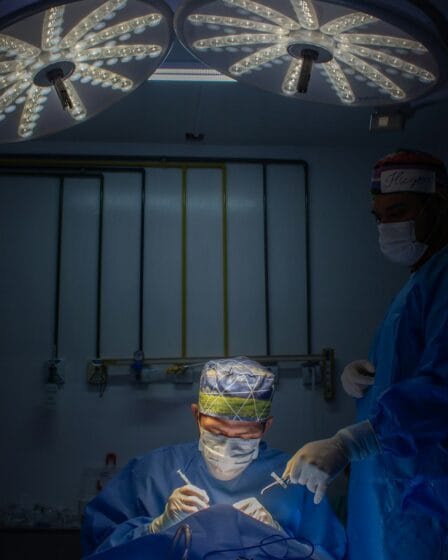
(283, 482)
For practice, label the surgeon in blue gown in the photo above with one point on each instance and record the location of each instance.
(230, 465)
(398, 496)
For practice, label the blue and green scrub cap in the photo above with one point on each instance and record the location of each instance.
(236, 389)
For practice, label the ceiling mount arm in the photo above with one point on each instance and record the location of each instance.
(436, 17)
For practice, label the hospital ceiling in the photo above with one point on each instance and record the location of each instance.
(236, 112)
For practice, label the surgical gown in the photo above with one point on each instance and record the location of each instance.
(398, 500)
(125, 508)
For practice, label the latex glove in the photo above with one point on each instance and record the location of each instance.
(357, 377)
(253, 508)
(317, 463)
(183, 502)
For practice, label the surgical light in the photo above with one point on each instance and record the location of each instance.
(325, 51)
(64, 64)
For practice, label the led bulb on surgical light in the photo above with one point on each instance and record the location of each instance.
(60, 79)
(312, 49)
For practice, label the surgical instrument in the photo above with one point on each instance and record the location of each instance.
(283, 482)
(183, 477)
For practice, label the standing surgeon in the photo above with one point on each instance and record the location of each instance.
(398, 496)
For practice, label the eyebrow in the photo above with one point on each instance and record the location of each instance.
(396, 206)
(223, 430)
(392, 208)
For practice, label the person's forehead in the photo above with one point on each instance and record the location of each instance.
(212, 421)
(382, 201)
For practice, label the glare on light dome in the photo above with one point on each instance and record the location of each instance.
(64, 64)
(314, 50)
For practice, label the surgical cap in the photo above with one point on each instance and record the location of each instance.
(236, 389)
(409, 171)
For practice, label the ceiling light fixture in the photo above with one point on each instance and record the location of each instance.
(325, 51)
(188, 72)
(64, 64)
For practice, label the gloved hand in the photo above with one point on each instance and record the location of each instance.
(252, 507)
(357, 376)
(183, 502)
(319, 462)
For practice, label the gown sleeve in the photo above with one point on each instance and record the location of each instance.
(413, 414)
(320, 525)
(116, 515)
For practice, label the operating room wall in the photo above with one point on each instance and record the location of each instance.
(46, 452)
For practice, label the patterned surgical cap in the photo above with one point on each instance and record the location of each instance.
(236, 389)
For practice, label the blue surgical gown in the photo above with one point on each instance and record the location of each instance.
(128, 504)
(398, 500)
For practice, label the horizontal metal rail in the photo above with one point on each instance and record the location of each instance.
(202, 360)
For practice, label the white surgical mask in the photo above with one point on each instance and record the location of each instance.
(226, 458)
(399, 244)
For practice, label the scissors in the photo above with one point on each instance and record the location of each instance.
(283, 482)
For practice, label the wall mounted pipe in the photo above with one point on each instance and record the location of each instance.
(142, 258)
(225, 264)
(57, 304)
(99, 269)
(309, 326)
(267, 311)
(184, 263)
(183, 370)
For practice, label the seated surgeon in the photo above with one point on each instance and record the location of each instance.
(229, 466)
